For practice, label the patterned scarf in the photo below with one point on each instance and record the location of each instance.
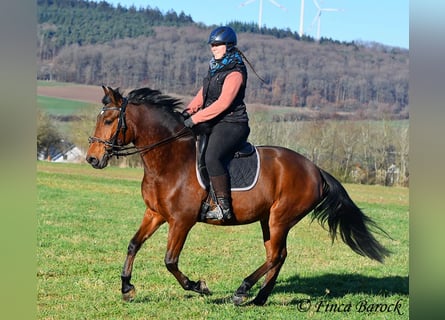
(230, 58)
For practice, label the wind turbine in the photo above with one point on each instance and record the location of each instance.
(318, 15)
(260, 13)
(300, 32)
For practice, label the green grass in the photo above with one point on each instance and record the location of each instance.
(57, 106)
(86, 218)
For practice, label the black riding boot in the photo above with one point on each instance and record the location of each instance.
(223, 208)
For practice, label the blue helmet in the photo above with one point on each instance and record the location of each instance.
(224, 35)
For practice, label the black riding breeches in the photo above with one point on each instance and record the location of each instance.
(224, 140)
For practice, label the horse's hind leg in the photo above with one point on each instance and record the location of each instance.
(275, 244)
(150, 223)
(269, 282)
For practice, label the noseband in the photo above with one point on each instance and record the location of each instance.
(115, 149)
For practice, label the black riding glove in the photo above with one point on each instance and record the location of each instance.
(185, 114)
(189, 122)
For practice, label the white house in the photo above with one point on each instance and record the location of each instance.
(67, 152)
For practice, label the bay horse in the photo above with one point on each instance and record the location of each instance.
(289, 187)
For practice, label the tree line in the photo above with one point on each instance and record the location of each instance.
(96, 43)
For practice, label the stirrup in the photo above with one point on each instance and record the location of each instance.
(221, 210)
(216, 213)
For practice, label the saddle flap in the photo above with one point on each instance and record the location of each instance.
(243, 168)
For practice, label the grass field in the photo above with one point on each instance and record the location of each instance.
(57, 106)
(86, 218)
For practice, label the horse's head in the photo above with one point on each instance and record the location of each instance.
(110, 132)
(153, 121)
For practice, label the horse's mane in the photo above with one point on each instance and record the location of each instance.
(147, 96)
(171, 107)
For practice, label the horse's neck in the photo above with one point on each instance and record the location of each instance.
(145, 132)
(171, 159)
(165, 157)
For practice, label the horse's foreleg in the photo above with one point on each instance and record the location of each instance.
(176, 239)
(150, 223)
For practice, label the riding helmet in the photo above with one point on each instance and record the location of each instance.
(224, 35)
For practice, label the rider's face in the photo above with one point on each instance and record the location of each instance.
(218, 50)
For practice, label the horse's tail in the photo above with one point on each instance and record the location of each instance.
(340, 212)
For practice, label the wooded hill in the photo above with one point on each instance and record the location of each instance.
(96, 43)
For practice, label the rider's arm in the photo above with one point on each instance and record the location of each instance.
(196, 103)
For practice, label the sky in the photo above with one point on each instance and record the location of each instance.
(382, 21)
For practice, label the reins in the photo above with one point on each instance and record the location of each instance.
(117, 150)
(122, 150)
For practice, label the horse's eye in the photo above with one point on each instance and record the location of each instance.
(108, 121)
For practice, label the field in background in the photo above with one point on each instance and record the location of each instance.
(86, 218)
(60, 107)
(94, 94)
(70, 91)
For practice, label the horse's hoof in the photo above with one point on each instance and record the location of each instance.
(239, 299)
(259, 302)
(129, 296)
(203, 289)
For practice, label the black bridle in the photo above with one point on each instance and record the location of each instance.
(113, 148)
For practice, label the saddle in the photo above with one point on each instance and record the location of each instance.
(243, 169)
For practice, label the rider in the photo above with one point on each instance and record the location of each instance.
(219, 103)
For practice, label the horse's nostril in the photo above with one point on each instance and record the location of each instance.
(92, 160)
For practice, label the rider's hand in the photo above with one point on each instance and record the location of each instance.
(189, 122)
(185, 114)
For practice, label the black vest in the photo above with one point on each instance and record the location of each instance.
(212, 87)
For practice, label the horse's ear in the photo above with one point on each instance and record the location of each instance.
(113, 95)
(117, 97)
